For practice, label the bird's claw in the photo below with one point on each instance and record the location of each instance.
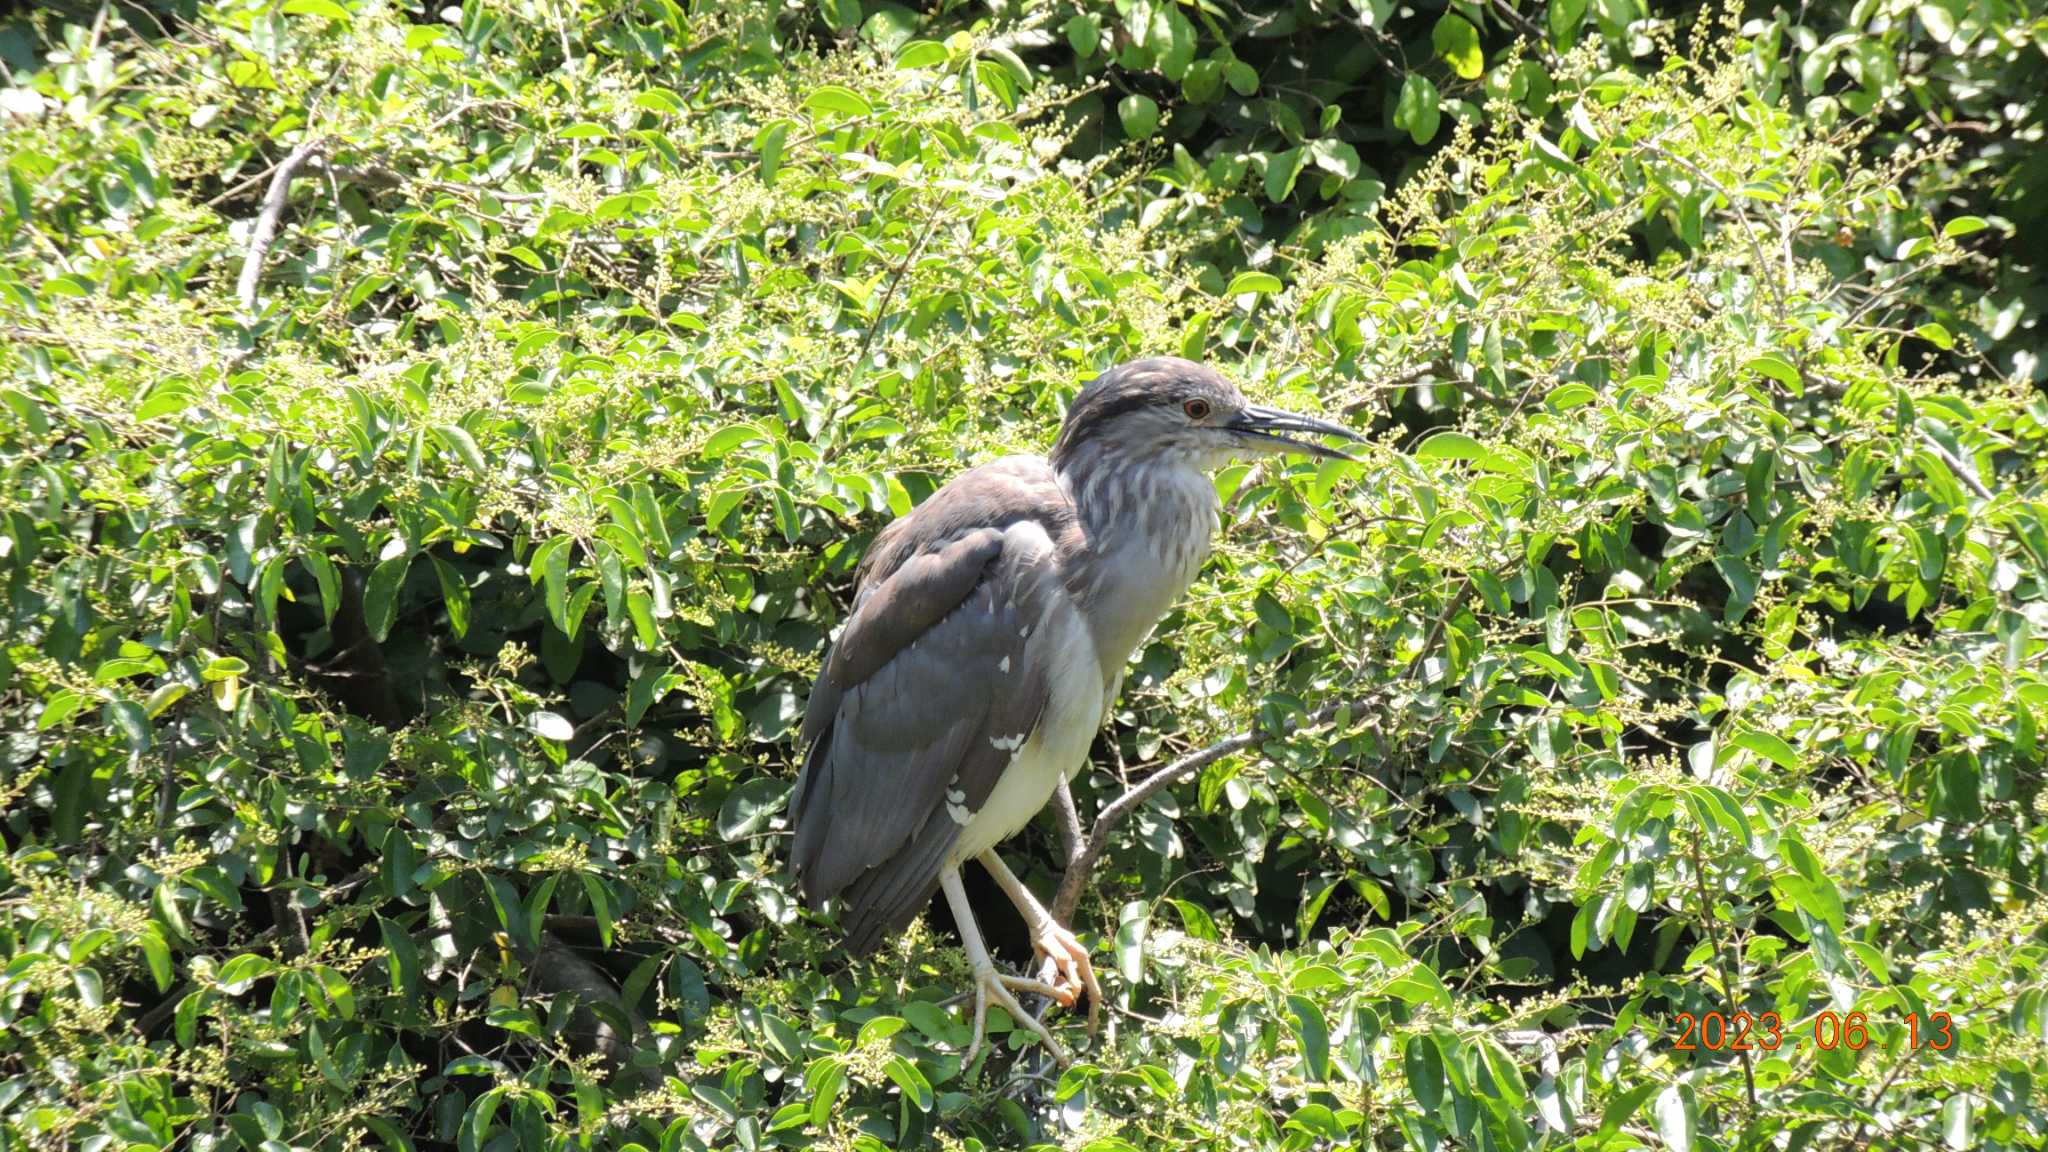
(990, 984)
(1067, 969)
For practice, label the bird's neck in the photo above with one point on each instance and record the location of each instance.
(1145, 528)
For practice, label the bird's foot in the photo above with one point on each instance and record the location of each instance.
(1066, 967)
(991, 985)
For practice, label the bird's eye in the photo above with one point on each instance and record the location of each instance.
(1197, 409)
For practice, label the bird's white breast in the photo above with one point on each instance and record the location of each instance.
(1061, 644)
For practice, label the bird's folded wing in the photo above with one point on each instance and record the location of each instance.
(924, 698)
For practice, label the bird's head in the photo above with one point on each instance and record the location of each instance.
(1177, 412)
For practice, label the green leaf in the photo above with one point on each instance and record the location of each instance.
(1195, 920)
(1313, 1034)
(1336, 157)
(1448, 445)
(1423, 1063)
(659, 100)
(327, 577)
(1622, 1108)
(127, 718)
(1957, 1131)
(380, 595)
(750, 806)
(1253, 282)
(921, 54)
(551, 569)
(1777, 369)
(1457, 41)
(879, 1028)
(123, 667)
(1505, 1079)
(454, 596)
(1554, 157)
(1678, 1117)
(600, 904)
(222, 667)
(1939, 22)
(1282, 169)
(241, 972)
(1417, 109)
(1569, 396)
(1770, 748)
(551, 726)
(1139, 114)
(1742, 585)
(648, 686)
(769, 142)
(1962, 225)
(1130, 940)
(1564, 18)
(367, 287)
(1204, 82)
(838, 100)
(335, 988)
(917, 1091)
(60, 707)
(324, 9)
(399, 862)
(158, 953)
(463, 445)
(1451, 445)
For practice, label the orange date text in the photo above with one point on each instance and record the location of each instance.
(1828, 1031)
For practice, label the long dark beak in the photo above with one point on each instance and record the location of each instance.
(1267, 428)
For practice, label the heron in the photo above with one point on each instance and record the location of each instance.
(987, 640)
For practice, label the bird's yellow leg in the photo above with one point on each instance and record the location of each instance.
(990, 984)
(1066, 965)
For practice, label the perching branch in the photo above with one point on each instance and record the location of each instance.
(265, 233)
(1082, 866)
(1071, 839)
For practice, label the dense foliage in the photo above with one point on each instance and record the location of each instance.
(437, 442)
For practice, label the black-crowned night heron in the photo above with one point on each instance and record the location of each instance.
(989, 634)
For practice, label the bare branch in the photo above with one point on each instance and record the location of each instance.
(265, 233)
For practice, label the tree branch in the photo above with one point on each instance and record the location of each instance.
(1071, 840)
(1965, 472)
(265, 232)
(1081, 867)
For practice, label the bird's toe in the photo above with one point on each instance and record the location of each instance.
(991, 986)
(1067, 967)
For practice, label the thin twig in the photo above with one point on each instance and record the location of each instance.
(1855, 1140)
(1955, 463)
(265, 233)
(1529, 31)
(889, 293)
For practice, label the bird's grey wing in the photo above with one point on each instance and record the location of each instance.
(922, 702)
